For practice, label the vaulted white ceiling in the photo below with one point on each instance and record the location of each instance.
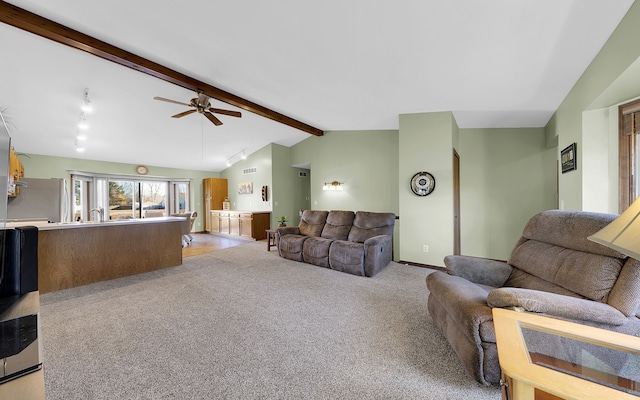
(333, 64)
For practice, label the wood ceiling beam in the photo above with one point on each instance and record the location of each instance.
(33, 23)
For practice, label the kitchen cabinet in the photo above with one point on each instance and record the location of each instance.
(214, 222)
(214, 191)
(244, 224)
(16, 171)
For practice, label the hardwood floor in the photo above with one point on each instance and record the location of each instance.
(205, 242)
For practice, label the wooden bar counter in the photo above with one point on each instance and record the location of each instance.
(75, 254)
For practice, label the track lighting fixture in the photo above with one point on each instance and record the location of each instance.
(86, 103)
(79, 148)
(242, 154)
(82, 123)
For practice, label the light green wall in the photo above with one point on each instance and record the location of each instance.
(39, 166)
(619, 53)
(507, 176)
(366, 161)
(287, 193)
(426, 143)
(292, 192)
(261, 160)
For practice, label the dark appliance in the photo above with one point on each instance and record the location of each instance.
(20, 348)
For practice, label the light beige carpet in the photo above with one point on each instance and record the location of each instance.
(243, 323)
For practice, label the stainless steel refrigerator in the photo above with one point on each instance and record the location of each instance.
(41, 199)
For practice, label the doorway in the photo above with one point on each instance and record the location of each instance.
(456, 203)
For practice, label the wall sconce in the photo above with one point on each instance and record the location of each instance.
(335, 185)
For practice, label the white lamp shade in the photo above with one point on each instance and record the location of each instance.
(623, 234)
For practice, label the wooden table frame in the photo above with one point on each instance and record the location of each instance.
(271, 238)
(525, 380)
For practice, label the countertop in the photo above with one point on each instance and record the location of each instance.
(242, 211)
(45, 226)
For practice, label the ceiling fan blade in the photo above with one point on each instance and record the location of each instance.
(226, 112)
(171, 101)
(212, 118)
(182, 114)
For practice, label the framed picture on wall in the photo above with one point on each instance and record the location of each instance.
(568, 158)
(245, 188)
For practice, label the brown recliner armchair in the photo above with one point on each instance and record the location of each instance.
(553, 270)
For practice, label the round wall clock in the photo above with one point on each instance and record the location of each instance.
(142, 170)
(422, 183)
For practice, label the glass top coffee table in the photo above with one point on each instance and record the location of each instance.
(546, 358)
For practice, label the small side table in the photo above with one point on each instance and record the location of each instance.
(271, 238)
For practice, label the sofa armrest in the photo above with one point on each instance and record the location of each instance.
(557, 305)
(377, 254)
(377, 240)
(479, 270)
(287, 230)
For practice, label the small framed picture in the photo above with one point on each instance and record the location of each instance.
(245, 188)
(568, 158)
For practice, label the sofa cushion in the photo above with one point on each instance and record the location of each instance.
(347, 257)
(524, 280)
(338, 225)
(556, 305)
(587, 274)
(316, 251)
(625, 295)
(570, 229)
(291, 246)
(370, 224)
(312, 222)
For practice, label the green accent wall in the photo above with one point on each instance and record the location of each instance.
(507, 176)
(366, 162)
(606, 82)
(260, 160)
(287, 192)
(426, 144)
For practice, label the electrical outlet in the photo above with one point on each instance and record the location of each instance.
(425, 248)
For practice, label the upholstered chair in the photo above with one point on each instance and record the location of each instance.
(553, 270)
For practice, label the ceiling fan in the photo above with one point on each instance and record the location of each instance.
(202, 105)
